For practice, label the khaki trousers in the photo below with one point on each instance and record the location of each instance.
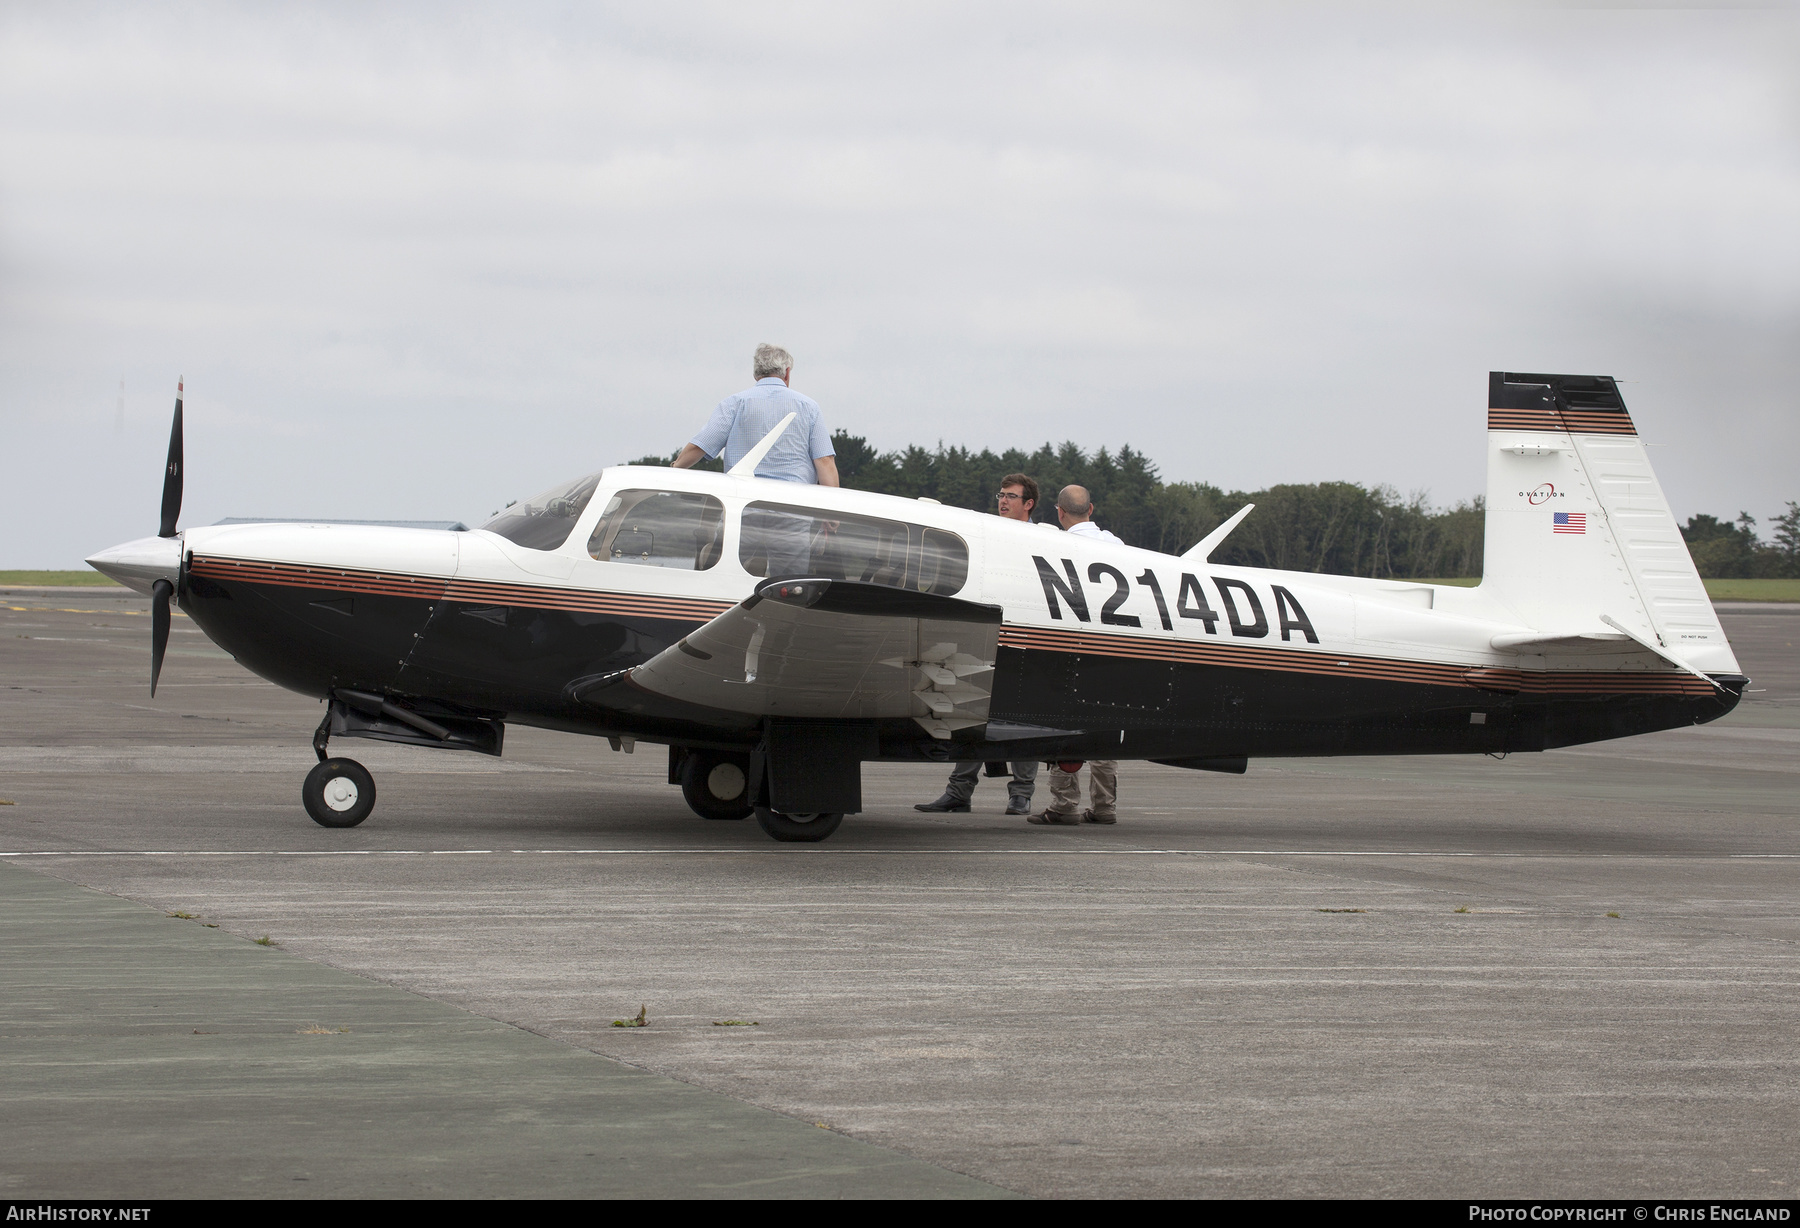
(1103, 788)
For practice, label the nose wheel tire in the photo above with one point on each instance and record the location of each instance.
(716, 785)
(338, 793)
(796, 828)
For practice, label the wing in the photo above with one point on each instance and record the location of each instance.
(837, 649)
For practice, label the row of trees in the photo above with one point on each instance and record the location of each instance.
(1337, 527)
(1731, 550)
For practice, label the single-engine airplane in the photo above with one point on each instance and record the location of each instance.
(777, 636)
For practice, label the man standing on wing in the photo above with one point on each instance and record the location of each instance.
(1018, 496)
(1075, 509)
(803, 453)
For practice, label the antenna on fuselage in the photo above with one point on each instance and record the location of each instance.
(1201, 551)
(746, 468)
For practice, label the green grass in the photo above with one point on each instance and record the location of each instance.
(84, 579)
(1753, 590)
(1718, 590)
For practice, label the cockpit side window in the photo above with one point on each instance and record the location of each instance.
(660, 528)
(780, 539)
(543, 522)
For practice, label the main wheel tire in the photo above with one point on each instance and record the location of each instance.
(338, 793)
(796, 828)
(716, 784)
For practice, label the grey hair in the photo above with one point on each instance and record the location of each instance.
(770, 360)
(1075, 501)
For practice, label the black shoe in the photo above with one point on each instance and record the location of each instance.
(1105, 820)
(1018, 805)
(1052, 819)
(944, 805)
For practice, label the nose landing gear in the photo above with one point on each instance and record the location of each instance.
(338, 793)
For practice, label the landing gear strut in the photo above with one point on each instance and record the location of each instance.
(338, 792)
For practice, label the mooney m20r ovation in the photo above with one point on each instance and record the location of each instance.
(775, 637)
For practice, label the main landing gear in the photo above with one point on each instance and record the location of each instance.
(716, 785)
(796, 828)
(338, 792)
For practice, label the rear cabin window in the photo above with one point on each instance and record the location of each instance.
(543, 522)
(779, 539)
(660, 528)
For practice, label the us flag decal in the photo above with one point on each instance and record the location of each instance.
(1568, 522)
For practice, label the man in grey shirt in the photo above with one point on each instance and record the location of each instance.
(803, 453)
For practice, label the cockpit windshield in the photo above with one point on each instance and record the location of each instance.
(543, 521)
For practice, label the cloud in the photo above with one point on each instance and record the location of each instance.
(419, 260)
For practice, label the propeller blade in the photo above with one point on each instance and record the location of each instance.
(171, 507)
(160, 593)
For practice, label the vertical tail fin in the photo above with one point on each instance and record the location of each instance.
(1577, 526)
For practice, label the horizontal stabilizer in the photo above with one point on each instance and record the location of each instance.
(1621, 639)
(1658, 649)
(837, 649)
(1538, 642)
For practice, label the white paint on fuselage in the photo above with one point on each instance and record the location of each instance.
(1384, 618)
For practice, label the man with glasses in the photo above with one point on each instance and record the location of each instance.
(1016, 501)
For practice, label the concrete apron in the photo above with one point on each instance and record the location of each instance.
(151, 1057)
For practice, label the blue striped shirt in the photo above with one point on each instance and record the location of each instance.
(742, 419)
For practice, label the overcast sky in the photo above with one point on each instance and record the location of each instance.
(415, 261)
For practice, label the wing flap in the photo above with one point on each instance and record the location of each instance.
(837, 649)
